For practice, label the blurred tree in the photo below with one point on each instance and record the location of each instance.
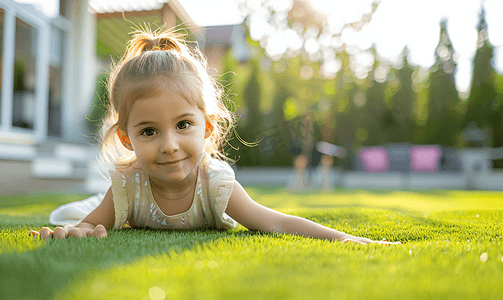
(279, 139)
(375, 108)
(444, 120)
(497, 119)
(482, 99)
(251, 127)
(228, 84)
(348, 127)
(344, 84)
(227, 78)
(399, 119)
(334, 89)
(328, 120)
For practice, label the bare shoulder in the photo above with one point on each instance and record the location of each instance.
(252, 215)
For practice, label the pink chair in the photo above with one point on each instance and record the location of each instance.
(424, 158)
(374, 160)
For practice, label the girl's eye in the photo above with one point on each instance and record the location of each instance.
(183, 124)
(148, 132)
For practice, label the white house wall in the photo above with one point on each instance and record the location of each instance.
(80, 83)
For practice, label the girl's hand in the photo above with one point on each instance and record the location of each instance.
(60, 233)
(103, 215)
(365, 241)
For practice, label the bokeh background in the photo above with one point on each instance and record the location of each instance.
(369, 94)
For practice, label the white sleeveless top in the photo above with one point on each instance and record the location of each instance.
(134, 202)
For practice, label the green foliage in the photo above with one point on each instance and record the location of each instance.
(280, 98)
(374, 114)
(100, 103)
(451, 249)
(444, 121)
(482, 93)
(113, 33)
(483, 97)
(252, 95)
(251, 127)
(227, 79)
(497, 120)
(401, 123)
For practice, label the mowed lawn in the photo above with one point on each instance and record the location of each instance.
(451, 249)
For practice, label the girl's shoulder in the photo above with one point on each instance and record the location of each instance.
(218, 166)
(124, 171)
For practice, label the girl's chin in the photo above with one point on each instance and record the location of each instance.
(169, 179)
(174, 176)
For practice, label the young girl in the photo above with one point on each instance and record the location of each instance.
(164, 131)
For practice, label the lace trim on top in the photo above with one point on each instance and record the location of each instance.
(120, 194)
(221, 190)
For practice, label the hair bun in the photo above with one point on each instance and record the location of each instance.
(146, 40)
(166, 42)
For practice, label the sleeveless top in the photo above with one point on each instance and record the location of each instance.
(134, 202)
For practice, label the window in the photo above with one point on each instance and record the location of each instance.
(25, 62)
(55, 82)
(32, 44)
(1, 60)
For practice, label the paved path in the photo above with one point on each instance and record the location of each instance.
(16, 178)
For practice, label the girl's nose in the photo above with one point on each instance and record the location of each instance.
(169, 143)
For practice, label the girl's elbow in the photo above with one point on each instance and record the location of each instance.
(281, 223)
(271, 226)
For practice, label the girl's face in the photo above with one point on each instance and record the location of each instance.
(167, 135)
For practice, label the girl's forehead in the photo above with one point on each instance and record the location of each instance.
(176, 89)
(165, 99)
(166, 105)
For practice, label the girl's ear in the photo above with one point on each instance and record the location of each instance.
(209, 130)
(124, 140)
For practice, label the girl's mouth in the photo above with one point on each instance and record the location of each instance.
(171, 163)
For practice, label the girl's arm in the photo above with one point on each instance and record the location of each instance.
(254, 216)
(104, 214)
(95, 224)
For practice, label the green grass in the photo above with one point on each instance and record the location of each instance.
(451, 249)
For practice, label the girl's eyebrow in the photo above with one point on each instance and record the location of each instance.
(185, 115)
(143, 123)
(179, 117)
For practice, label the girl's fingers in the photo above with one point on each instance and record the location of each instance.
(354, 241)
(60, 233)
(99, 231)
(46, 233)
(34, 234)
(77, 232)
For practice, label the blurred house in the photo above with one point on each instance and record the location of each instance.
(49, 65)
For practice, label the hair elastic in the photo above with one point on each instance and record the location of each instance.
(156, 48)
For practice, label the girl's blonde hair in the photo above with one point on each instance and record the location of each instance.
(153, 62)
